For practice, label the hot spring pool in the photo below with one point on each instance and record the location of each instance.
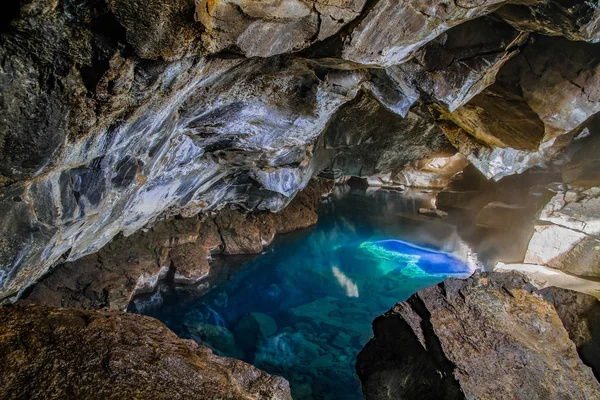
(303, 309)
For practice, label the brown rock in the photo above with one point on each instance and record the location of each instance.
(271, 27)
(190, 262)
(240, 236)
(159, 30)
(47, 352)
(574, 20)
(491, 335)
(580, 315)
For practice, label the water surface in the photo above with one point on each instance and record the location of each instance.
(303, 309)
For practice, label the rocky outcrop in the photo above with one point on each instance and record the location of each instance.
(65, 353)
(580, 315)
(490, 336)
(431, 173)
(575, 21)
(568, 234)
(274, 27)
(394, 29)
(176, 249)
(364, 137)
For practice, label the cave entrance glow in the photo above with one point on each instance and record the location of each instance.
(303, 309)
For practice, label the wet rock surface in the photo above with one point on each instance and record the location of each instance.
(66, 353)
(490, 336)
(119, 114)
(178, 250)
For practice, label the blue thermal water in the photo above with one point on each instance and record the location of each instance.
(304, 308)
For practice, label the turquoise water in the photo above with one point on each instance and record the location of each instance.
(303, 309)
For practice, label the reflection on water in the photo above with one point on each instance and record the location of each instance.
(304, 308)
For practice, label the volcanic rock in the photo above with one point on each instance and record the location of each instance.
(490, 336)
(51, 352)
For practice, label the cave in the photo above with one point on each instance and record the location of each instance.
(300, 199)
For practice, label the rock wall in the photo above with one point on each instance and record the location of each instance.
(488, 337)
(117, 114)
(178, 250)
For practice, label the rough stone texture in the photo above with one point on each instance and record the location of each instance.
(584, 167)
(431, 173)
(195, 145)
(501, 119)
(568, 234)
(490, 336)
(364, 137)
(49, 352)
(564, 249)
(263, 29)
(577, 209)
(177, 249)
(497, 162)
(580, 315)
(577, 20)
(460, 63)
(394, 29)
(159, 30)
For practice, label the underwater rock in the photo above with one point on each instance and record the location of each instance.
(218, 336)
(111, 354)
(252, 328)
(474, 338)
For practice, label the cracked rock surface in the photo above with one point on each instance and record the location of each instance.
(490, 336)
(71, 353)
(119, 114)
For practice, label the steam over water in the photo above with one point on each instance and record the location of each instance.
(303, 309)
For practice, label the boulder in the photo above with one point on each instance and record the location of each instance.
(568, 234)
(68, 353)
(252, 328)
(577, 209)
(190, 263)
(565, 249)
(490, 336)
